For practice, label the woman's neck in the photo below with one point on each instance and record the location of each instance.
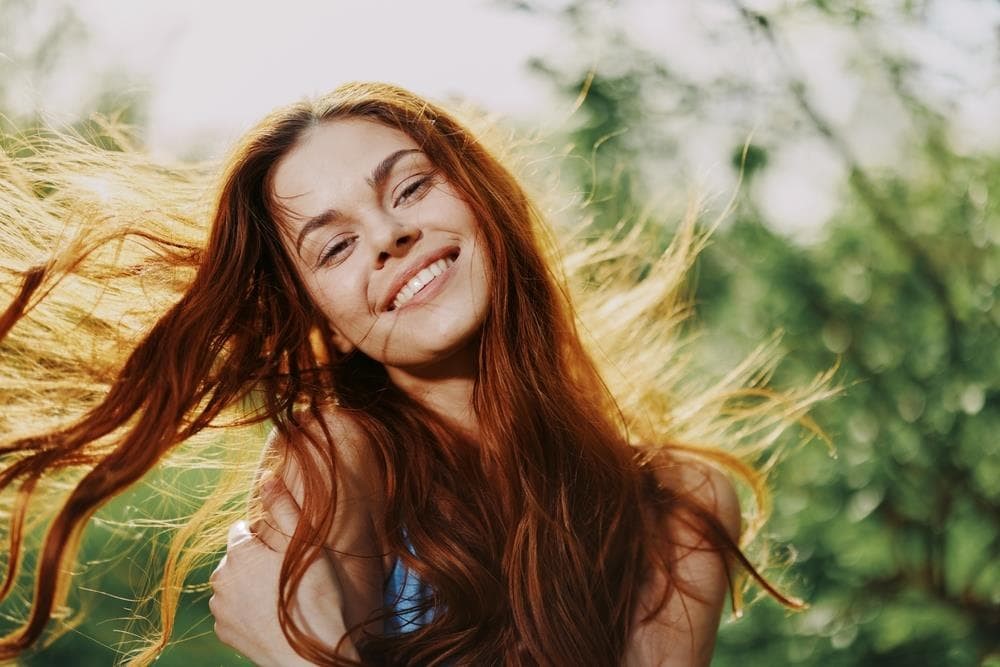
(445, 388)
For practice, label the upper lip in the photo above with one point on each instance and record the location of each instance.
(412, 269)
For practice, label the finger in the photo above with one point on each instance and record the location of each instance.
(239, 532)
(213, 578)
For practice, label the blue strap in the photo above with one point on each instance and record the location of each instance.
(403, 591)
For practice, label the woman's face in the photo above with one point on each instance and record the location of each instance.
(386, 246)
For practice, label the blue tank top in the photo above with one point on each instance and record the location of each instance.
(404, 590)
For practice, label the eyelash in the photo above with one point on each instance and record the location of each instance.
(418, 186)
(412, 189)
(333, 251)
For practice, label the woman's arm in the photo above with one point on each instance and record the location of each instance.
(245, 588)
(354, 546)
(683, 633)
(355, 574)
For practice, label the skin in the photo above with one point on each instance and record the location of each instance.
(352, 266)
(246, 613)
(380, 235)
(683, 633)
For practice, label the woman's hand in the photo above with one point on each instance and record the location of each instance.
(245, 588)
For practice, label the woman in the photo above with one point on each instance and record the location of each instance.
(450, 480)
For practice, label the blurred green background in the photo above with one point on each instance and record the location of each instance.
(884, 256)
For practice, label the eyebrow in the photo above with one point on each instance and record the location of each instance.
(377, 179)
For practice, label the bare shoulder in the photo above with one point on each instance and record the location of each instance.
(705, 484)
(682, 633)
(337, 443)
(336, 438)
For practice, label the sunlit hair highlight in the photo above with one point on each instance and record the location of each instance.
(142, 314)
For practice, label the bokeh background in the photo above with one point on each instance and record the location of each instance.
(866, 230)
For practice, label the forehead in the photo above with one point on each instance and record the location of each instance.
(329, 159)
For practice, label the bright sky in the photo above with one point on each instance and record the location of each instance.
(212, 68)
(217, 67)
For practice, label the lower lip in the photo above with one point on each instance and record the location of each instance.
(429, 292)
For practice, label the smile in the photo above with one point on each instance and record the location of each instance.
(422, 279)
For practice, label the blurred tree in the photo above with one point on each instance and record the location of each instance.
(32, 43)
(38, 44)
(897, 538)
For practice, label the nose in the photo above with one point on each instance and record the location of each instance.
(392, 238)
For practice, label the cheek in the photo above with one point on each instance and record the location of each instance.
(326, 300)
(341, 307)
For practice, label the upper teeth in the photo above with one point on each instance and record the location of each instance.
(419, 281)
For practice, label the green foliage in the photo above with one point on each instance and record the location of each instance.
(896, 537)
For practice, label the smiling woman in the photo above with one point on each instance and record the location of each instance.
(365, 245)
(455, 474)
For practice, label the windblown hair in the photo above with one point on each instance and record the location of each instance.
(129, 333)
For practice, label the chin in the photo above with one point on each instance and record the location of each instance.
(442, 346)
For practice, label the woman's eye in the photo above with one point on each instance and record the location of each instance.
(335, 250)
(414, 188)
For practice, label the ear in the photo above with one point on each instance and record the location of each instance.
(343, 345)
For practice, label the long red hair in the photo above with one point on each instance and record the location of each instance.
(535, 539)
